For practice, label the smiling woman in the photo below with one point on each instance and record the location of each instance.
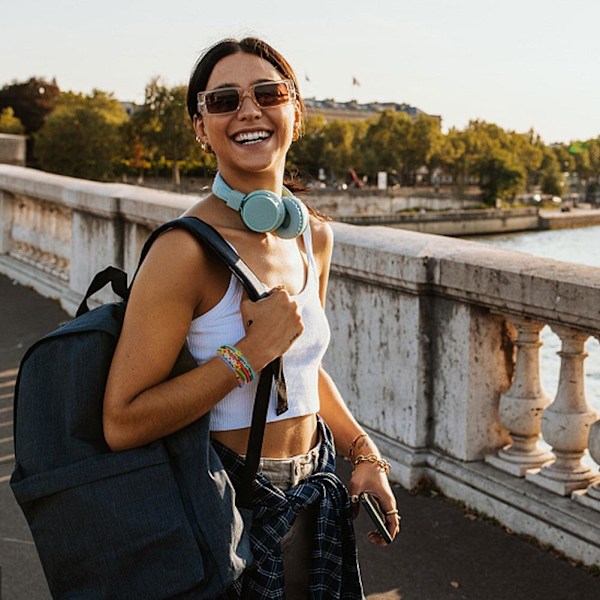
(244, 104)
(247, 103)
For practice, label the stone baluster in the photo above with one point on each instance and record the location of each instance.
(521, 406)
(591, 496)
(566, 422)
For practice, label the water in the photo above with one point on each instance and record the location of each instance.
(572, 245)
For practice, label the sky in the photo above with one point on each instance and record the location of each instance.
(518, 63)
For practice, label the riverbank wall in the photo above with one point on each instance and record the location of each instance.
(442, 213)
(463, 223)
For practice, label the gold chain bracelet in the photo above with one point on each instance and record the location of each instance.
(383, 464)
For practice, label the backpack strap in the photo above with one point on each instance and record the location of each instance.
(112, 275)
(206, 234)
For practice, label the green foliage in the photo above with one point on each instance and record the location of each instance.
(385, 144)
(551, 175)
(306, 155)
(82, 136)
(500, 176)
(426, 142)
(493, 159)
(9, 123)
(163, 129)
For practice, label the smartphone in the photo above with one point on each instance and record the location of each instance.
(372, 507)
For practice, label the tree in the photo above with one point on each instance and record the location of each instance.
(500, 175)
(135, 159)
(339, 147)
(32, 101)
(9, 123)
(82, 137)
(163, 127)
(490, 156)
(551, 175)
(528, 149)
(424, 146)
(306, 154)
(385, 143)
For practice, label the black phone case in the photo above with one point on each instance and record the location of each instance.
(376, 516)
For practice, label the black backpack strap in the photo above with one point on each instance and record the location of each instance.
(206, 234)
(116, 277)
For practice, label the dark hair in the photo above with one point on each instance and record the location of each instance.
(207, 61)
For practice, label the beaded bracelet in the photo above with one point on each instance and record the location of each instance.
(351, 449)
(383, 464)
(237, 362)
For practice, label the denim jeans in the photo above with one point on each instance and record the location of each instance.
(296, 545)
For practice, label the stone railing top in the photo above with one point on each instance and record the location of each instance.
(134, 203)
(502, 280)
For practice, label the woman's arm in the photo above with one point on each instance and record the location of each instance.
(349, 436)
(140, 404)
(366, 476)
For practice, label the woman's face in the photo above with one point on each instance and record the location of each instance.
(253, 139)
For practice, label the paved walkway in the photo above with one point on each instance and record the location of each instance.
(442, 553)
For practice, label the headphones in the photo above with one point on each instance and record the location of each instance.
(263, 210)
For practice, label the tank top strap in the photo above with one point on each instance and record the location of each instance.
(312, 265)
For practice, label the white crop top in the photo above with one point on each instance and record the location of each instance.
(223, 325)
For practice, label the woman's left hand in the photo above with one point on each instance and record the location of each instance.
(369, 477)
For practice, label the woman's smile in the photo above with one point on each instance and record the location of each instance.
(247, 138)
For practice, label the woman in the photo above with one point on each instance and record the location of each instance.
(245, 105)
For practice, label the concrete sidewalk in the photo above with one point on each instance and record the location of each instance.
(442, 553)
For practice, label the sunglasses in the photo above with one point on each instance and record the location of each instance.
(268, 94)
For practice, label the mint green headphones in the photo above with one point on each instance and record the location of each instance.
(263, 210)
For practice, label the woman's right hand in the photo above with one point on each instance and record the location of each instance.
(272, 325)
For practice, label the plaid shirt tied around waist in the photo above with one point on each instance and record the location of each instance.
(334, 571)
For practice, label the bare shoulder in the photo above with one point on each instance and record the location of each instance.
(322, 238)
(171, 276)
(175, 255)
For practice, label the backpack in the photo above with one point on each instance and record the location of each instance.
(154, 522)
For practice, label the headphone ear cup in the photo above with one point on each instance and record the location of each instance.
(262, 211)
(296, 218)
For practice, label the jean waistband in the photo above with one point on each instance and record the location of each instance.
(285, 473)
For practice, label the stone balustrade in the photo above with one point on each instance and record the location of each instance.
(435, 346)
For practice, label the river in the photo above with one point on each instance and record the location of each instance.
(572, 245)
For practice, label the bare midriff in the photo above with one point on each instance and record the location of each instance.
(283, 439)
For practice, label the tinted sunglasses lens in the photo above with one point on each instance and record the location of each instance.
(272, 94)
(222, 101)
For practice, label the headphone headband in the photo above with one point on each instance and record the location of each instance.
(263, 210)
(233, 198)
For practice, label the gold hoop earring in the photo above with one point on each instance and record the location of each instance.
(205, 146)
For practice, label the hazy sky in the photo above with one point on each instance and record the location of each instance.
(517, 63)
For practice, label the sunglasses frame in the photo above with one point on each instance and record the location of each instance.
(243, 93)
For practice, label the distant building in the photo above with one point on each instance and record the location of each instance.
(352, 110)
(130, 107)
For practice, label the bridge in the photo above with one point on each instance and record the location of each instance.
(435, 347)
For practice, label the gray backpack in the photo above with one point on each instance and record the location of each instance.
(154, 522)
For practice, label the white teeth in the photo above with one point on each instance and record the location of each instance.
(251, 137)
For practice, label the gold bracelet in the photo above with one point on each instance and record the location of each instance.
(383, 464)
(351, 449)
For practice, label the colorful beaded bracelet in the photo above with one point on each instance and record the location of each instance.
(237, 362)
(383, 464)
